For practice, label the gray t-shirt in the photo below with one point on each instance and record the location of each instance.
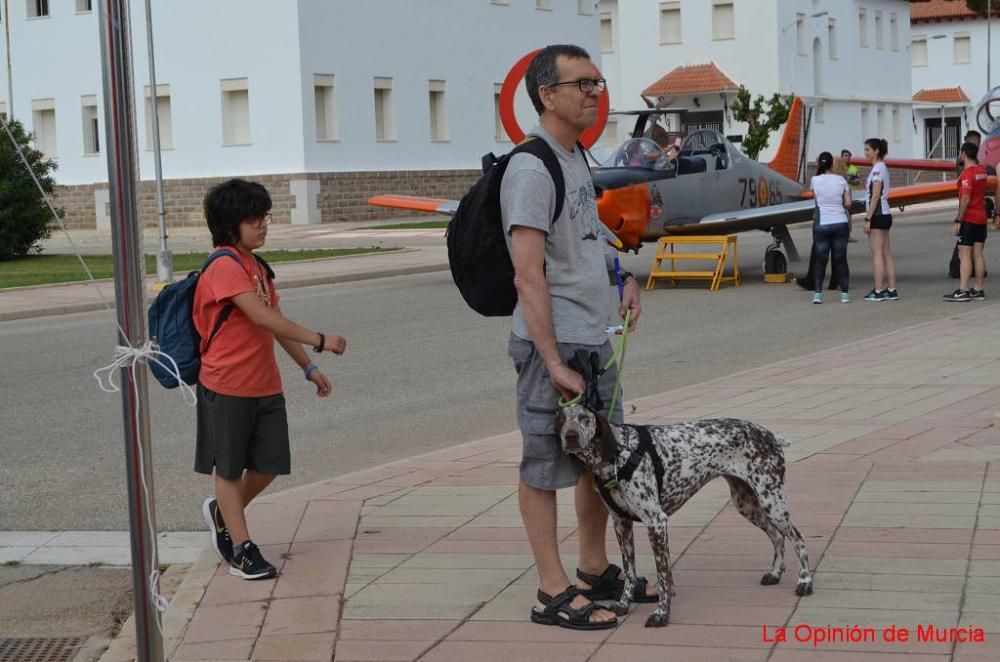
(576, 262)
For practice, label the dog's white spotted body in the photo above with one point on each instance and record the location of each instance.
(691, 454)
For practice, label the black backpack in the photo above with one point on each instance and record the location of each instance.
(477, 251)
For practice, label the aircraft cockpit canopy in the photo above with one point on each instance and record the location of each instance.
(989, 111)
(641, 153)
(709, 145)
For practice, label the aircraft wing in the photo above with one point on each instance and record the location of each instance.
(933, 165)
(764, 218)
(415, 203)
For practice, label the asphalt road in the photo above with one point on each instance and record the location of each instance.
(421, 372)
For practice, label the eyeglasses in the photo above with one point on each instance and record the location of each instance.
(586, 85)
(260, 221)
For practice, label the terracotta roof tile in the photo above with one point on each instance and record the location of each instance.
(692, 79)
(942, 95)
(935, 10)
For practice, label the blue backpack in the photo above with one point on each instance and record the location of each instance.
(171, 324)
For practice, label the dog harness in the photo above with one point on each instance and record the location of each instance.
(644, 449)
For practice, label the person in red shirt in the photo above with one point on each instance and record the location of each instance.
(242, 426)
(970, 226)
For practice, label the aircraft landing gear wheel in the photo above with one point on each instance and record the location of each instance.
(775, 261)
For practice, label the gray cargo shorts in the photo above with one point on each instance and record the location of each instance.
(543, 464)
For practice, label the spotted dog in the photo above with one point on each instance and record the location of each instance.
(645, 473)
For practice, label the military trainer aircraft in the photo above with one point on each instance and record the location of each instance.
(709, 188)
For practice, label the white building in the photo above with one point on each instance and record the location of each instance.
(847, 59)
(948, 49)
(300, 94)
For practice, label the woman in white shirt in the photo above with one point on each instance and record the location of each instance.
(878, 220)
(833, 200)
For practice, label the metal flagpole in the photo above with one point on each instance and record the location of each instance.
(119, 122)
(164, 259)
(989, 8)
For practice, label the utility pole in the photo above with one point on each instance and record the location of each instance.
(113, 21)
(10, 68)
(164, 259)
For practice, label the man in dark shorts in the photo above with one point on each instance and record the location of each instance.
(970, 226)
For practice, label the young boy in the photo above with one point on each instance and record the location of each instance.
(242, 426)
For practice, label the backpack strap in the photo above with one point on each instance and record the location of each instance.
(541, 149)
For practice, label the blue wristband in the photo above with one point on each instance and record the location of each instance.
(310, 370)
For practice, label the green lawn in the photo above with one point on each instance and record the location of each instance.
(46, 269)
(418, 225)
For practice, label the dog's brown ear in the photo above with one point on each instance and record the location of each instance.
(606, 442)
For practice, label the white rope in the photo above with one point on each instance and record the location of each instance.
(129, 358)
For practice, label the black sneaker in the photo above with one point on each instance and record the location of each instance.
(249, 564)
(977, 295)
(959, 296)
(875, 295)
(221, 542)
(891, 294)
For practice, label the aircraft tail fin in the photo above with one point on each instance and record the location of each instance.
(789, 155)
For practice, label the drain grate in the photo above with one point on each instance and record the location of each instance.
(40, 649)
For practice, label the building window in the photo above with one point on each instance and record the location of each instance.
(963, 49)
(863, 27)
(91, 132)
(831, 38)
(235, 111)
(544, 5)
(723, 20)
(800, 34)
(865, 129)
(325, 103)
(670, 23)
(918, 52)
(84, 6)
(500, 2)
(879, 41)
(893, 32)
(819, 112)
(43, 125)
(895, 125)
(439, 112)
(38, 8)
(384, 129)
(162, 115)
(585, 7)
(3, 109)
(607, 34)
(499, 133)
(610, 135)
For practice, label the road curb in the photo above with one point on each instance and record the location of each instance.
(291, 283)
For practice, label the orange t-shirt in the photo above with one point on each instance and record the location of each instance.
(240, 359)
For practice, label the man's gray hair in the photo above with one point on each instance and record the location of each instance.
(543, 70)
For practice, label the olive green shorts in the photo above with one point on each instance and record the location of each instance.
(237, 433)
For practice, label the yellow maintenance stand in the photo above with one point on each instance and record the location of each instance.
(721, 247)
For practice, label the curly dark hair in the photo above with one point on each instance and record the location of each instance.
(230, 203)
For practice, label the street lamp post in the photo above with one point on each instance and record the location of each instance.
(164, 259)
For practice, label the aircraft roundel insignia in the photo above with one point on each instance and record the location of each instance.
(509, 120)
(763, 194)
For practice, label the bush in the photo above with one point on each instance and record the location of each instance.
(24, 216)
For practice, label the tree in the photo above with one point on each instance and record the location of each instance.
(760, 122)
(24, 214)
(979, 6)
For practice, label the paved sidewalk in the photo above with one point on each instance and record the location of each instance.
(26, 302)
(893, 476)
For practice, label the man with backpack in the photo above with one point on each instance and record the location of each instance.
(561, 275)
(242, 425)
